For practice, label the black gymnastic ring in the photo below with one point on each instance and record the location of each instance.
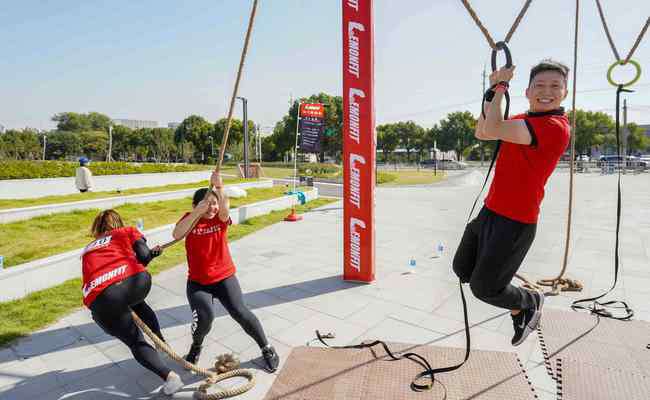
(501, 46)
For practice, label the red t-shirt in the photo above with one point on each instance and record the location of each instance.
(108, 260)
(208, 257)
(521, 171)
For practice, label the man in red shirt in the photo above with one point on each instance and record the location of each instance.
(495, 243)
(211, 271)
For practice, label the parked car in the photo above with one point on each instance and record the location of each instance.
(451, 164)
(630, 161)
(443, 164)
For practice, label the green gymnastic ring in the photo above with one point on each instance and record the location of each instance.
(636, 66)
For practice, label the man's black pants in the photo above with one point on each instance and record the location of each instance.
(488, 256)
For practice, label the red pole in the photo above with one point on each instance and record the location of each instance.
(359, 141)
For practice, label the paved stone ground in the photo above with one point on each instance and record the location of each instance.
(290, 274)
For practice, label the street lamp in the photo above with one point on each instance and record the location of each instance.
(109, 156)
(245, 106)
(211, 146)
(44, 145)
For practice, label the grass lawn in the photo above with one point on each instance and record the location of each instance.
(24, 241)
(21, 317)
(39, 201)
(414, 177)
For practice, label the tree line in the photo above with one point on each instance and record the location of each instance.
(87, 134)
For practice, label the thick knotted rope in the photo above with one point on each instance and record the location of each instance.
(212, 377)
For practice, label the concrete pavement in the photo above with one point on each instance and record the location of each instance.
(290, 273)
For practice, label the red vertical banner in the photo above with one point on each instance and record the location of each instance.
(359, 142)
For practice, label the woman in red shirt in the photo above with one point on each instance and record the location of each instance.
(211, 271)
(115, 282)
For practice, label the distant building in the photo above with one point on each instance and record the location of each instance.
(173, 125)
(135, 123)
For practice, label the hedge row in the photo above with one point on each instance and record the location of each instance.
(55, 169)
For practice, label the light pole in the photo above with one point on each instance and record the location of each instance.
(245, 106)
(109, 157)
(44, 145)
(211, 146)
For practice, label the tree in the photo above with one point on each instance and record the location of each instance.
(410, 136)
(98, 122)
(269, 152)
(430, 138)
(62, 145)
(387, 140)
(122, 143)
(457, 132)
(592, 129)
(93, 144)
(194, 130)
(637, 141)
(162, 143)
(235, 137)
(75, 122)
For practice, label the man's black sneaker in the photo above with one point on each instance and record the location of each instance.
(193, 355)
(527, 320)
(271, 358)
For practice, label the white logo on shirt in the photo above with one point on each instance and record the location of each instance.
(98, 244)
(103, 278)
(206, 231)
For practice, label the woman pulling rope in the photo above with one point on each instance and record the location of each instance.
(115, 284)
(211, 271)
(212, 377)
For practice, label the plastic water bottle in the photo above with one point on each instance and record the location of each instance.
(439, 249)
(2, 262)
(412, 266)
(139, 223)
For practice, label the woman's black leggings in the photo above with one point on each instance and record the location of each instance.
(112, 312)
(228, 292)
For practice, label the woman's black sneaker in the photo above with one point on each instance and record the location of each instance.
(271, 358)
(193, 355)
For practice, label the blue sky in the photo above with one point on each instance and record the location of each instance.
(163, 60)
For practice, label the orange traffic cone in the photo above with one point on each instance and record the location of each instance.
(293, 217)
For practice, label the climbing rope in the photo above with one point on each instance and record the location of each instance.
(233, 98)
(560, 283)
(611, 42)
(212, 377)
(597, 307)
(222, 364)
(487, 35)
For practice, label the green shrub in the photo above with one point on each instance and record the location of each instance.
(56, 169)
(385, 177)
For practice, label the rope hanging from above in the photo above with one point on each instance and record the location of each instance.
(488, 37)
(559, 283)
(233, 98)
